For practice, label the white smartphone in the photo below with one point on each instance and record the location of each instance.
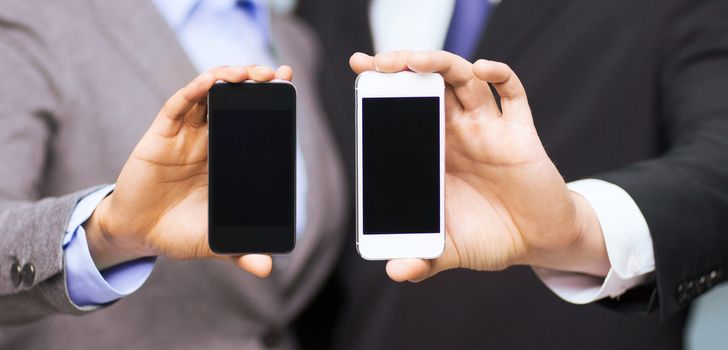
(400, 165)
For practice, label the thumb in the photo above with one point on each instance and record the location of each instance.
(400, 270)
(415, 270)
(257, 264)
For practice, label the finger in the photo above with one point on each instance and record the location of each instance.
(230, 74)
(284, 73)
(452, 104)
(257, 264)
(401, 270)
(261, 73)
(472, 93)
(170, 117)
(361, 62)
(506, 82)
(197, 116)
(416, 270)
(391, 62)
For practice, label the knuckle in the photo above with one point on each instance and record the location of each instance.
(215, 72)
(167, 106)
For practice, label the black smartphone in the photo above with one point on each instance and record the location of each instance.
(252, 167)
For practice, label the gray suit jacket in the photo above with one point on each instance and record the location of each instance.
(80, 81)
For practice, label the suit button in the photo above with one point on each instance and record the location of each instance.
(272, 337)
(682, 298)
(15, 272)
(690, 289)
(709, 283)
(715, 275)
(28, 274)
(681, 293)
(699, 288)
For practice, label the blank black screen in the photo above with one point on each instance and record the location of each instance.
(401, 167)
(252, 168)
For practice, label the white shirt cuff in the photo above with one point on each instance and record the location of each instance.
(627, 239)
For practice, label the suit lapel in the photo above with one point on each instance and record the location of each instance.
(141, 35)
(514, 25)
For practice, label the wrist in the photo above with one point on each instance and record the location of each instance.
(105, 250)
(589, 253)
(586, 251)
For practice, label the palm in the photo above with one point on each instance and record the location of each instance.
(182, 232)
(169, 178)
(479, 215)
(505, 201)
(478, 223)
(159, 206)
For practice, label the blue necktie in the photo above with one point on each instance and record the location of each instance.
(257, 12)
(468, 20)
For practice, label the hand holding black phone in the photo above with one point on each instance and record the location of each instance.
(252, 167)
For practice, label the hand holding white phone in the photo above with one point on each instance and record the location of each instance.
(505, 201)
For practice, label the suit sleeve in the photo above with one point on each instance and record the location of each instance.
(31, 228)
(683, 194)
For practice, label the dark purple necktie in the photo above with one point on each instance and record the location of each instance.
(468, 21)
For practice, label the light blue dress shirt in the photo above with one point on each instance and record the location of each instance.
(86, 284)
(212, 33)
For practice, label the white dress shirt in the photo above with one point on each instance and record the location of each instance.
(423, 25)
